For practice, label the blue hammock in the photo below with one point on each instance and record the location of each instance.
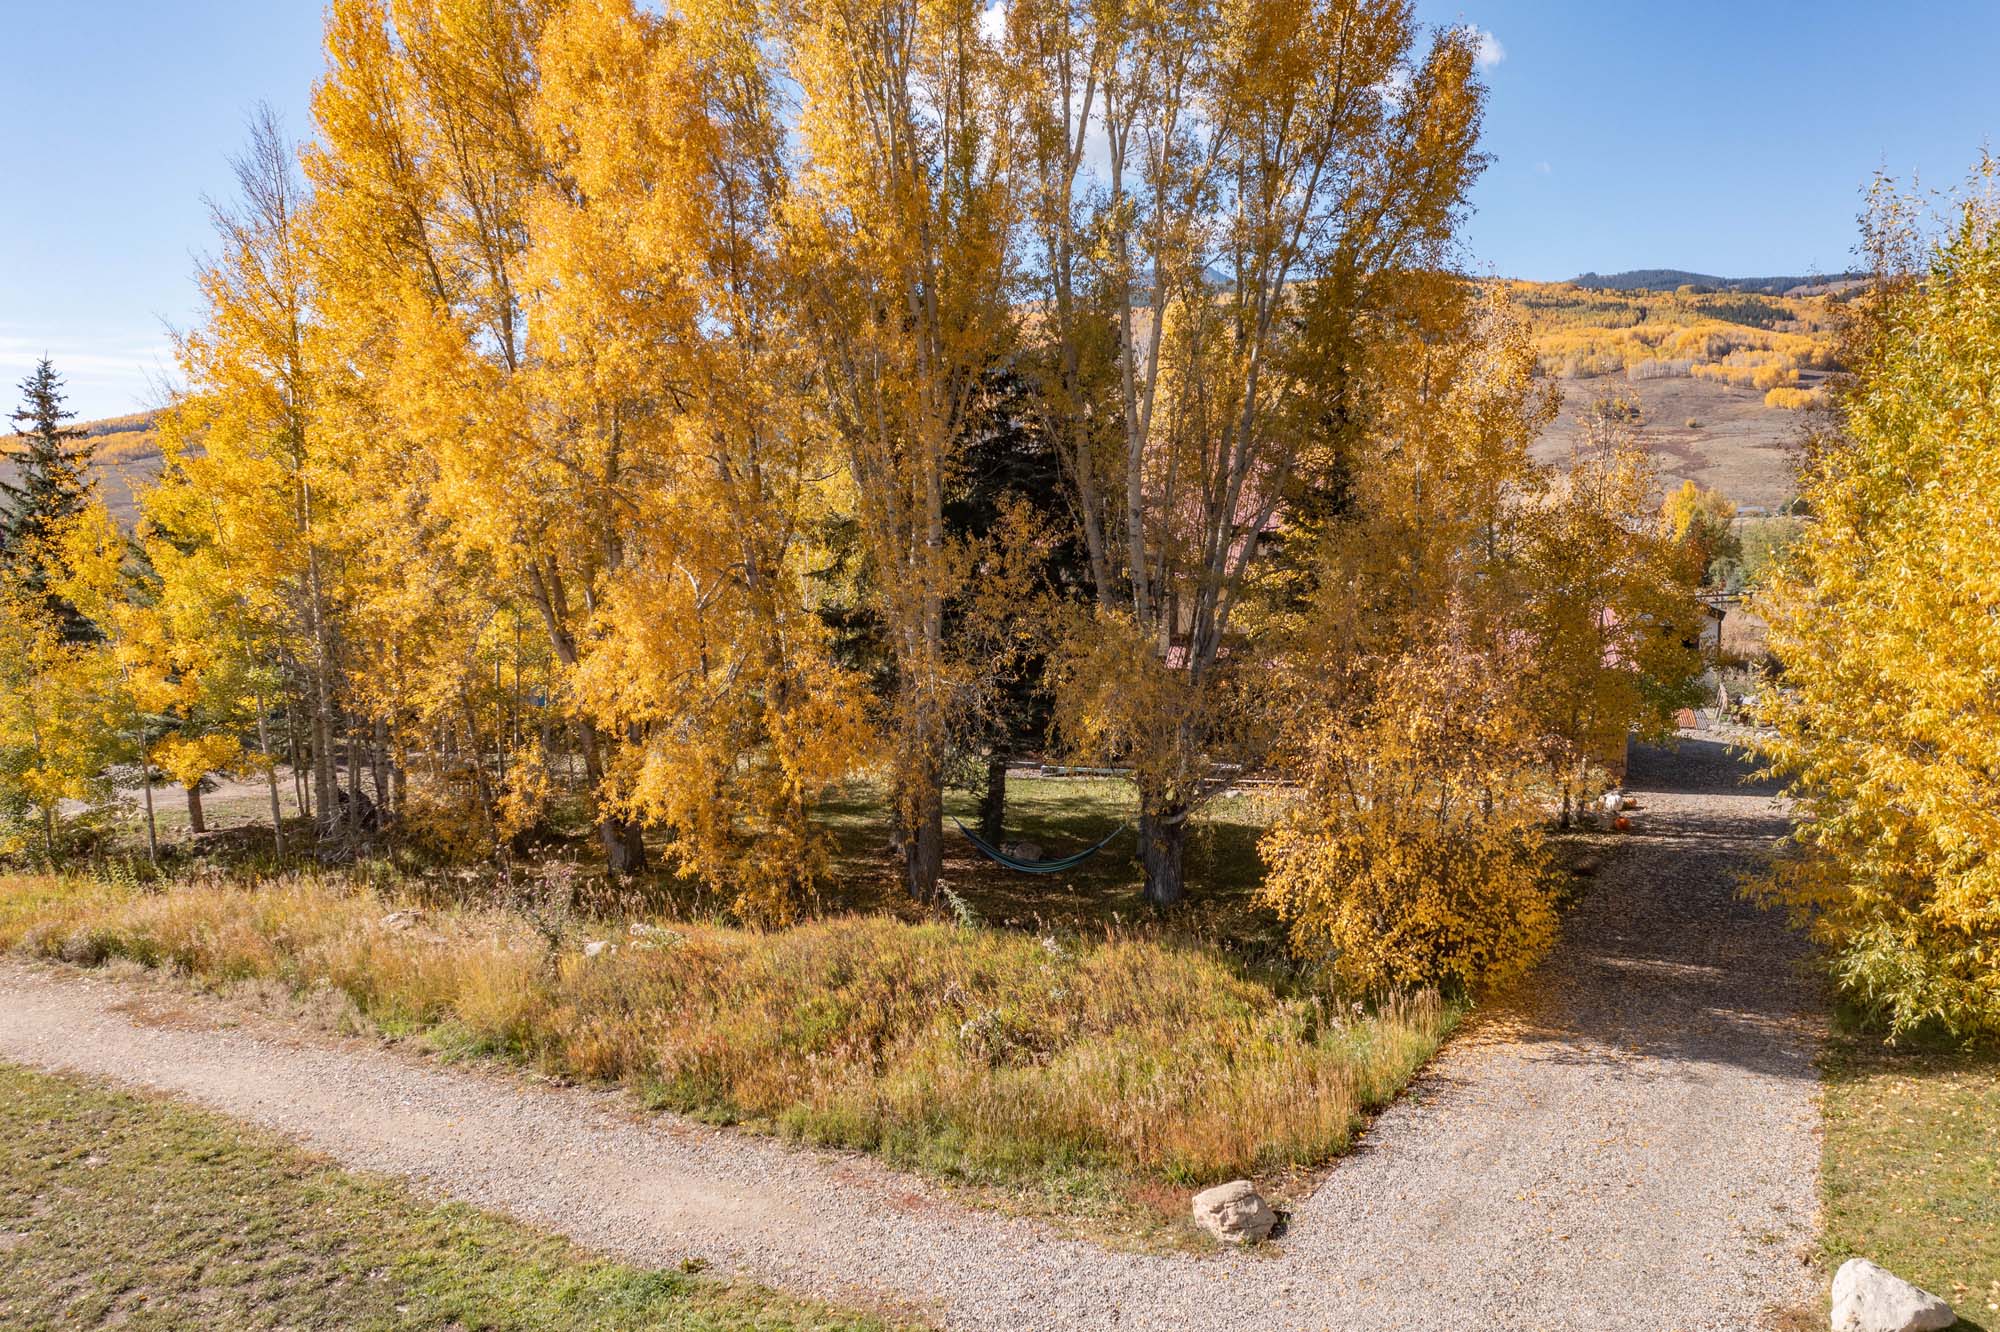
(999, 857)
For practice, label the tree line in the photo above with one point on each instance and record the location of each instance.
(683, 411)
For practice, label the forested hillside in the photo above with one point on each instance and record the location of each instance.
(1671, 279)
(1714, 380)
(125, 456)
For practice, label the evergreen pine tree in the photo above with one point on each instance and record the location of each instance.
(52, 487)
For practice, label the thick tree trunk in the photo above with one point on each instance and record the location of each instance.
(993, 804)
(1163, 851)
(918, 811)
(196, 823)
(624, 845)
(923, 843)
(623, 840)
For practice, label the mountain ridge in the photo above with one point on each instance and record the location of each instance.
(1669, 279)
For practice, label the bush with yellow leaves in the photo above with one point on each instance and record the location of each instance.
(1791, 399)
(1416, 853)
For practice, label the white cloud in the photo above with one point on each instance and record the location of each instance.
(993, 22)
(1487, 49)
(1393, 89)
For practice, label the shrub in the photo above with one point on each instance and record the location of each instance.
(1791, 399)
(1414, 852)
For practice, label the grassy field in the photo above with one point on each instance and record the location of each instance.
(137, 1212)
(1102, 1072)
(1736, 445)
(1912, 1171)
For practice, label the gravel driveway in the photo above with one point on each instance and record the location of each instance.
(1632, 1143)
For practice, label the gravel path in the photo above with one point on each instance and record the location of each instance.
(1633, 1144)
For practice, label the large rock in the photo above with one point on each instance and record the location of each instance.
(1234, 1213)
(1867, 1298)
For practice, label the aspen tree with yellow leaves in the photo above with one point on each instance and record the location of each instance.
(1268, 169)
(1608, 599)
(1413, 851)
(899, 230)
(507, 465)
(61, 717)
(664, 270)
(1705, 521)
(251, 477)
(1882, 615)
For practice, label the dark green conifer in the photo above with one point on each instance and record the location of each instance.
(51, 486)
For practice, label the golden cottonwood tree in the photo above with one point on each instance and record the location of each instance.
(252, 501)
(1412, 850)
(663, 270)
(62, 715)
(1705, 520)
(1265, 168)
(1882, 615)
(505, 467)
(898, 229)
(1609, 602)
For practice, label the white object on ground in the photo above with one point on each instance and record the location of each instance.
(1234, 1213)
(1867, 1298)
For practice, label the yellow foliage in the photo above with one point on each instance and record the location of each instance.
(1416, 853)
(1609, 601)
(1647, 334)
(1882, 613)
(61, 714)
(1792, 399)
(187, 759)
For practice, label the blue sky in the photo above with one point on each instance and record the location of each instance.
(1726, 138)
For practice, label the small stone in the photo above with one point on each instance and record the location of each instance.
(1867, 1298)
(1234, 1213)
(595, 948)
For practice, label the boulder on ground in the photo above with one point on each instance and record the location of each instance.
(1234, 1213)
(1867, 1298)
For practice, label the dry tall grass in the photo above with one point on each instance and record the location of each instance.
(988, 1054)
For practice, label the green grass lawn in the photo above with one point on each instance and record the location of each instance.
(138, 1212)
(1912, 1169)
(1062, 815)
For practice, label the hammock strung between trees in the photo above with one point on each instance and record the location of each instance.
(999, 857)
